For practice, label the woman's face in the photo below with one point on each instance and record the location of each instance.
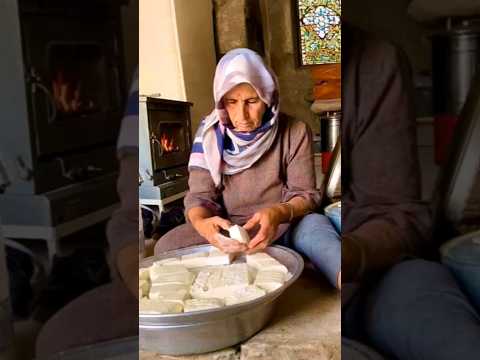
(244, 107)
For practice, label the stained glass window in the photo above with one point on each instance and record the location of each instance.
(319, 31)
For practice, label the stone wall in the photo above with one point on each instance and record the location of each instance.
(230, 23)
(296, 84)
(235, 20)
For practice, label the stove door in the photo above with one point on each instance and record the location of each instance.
(75, 83)
(169, 129)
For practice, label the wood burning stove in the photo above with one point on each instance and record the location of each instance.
(170, 139)
(74, 85)
(165, 145)
(63, 66)
(68, 88)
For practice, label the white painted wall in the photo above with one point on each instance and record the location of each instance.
(177, 52)
(159, 52)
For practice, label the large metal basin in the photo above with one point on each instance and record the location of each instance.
(210, 330)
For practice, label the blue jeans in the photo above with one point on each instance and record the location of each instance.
(415, 311)
(462, 256)
(315, 238)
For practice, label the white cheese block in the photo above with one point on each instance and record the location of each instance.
(169, 261)
(169, 292)
(244, 294)
(263, 261)
(269, 280)
(195, 260)
(175, 278)
(238, 233)
(202, 304)
(143, 274)
(195, 255)
(160, 273)
(216, 257)
(219, 282)
(200, 284)
(148, 306)
(232, 275)
(144, 287)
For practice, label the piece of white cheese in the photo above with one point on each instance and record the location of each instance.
(195, 255)
(170, 274)
(200, 285)
(195, 260)
(269, 280)
(198, 260)
(148, 306)
(244, 294)
(143, 274)
(263, 261)
(219, 282)
(202, 304)
(169, 261)
(238, 233)
(217, 257)
(144, 287)
(180, 278)
(171, 292)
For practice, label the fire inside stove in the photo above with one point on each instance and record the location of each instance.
(169, 138)
(69, 95)
(168, 143)
(77, 78)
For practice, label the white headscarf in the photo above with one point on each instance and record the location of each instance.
(236, 67)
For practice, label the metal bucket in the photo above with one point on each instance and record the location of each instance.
(330, 127)
(6, 326)
(455, 59)
(210, 330)
(334, 213)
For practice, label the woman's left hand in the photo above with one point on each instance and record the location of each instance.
(268, 219)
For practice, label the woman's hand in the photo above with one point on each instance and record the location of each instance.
(209, 228)
(268, 219)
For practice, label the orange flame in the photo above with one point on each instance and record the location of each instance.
(168, 144)
(67, 95)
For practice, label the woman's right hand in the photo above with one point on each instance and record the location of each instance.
(209, 228)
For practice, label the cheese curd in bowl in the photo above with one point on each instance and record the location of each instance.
(207, 280)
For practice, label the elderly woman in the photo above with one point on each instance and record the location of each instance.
(252, 166)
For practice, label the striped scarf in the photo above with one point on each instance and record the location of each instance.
(217, 147)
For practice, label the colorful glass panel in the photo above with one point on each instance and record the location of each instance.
(319, 31)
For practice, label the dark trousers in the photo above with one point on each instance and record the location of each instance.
(416, 311)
